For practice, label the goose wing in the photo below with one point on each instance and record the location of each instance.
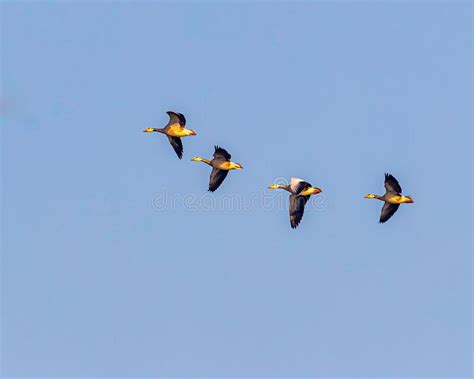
(297, 185)
(388, 211)
(391, 184)
(297, 204)
(221, 154)
(216, 178)
(176, 118)
(177, 145)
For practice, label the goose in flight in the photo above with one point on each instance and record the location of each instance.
(392, 198)
(174, 130)
(300, 191)
(220, 164)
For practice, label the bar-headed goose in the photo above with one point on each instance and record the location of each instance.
(300, 191)
(392, 198)
(174, 130)
(220, 164)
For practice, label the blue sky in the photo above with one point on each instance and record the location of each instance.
(100, 279)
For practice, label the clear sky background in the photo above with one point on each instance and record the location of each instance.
(101, 279)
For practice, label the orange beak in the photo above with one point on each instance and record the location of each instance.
(410, 200)
(316, 190)
(193, 133)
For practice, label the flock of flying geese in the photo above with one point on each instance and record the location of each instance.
(300, 190)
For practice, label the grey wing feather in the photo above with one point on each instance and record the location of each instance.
(388, 211)
(177, 145)
(216, 178)
(391, 184)
(176, 118)
(297, 204)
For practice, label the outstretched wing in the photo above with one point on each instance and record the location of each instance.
(177, 145)
(297, 204)
(176, 118)
(216, 178)
(391, 184)
(220, 153)
(298, 185)
(388, 211)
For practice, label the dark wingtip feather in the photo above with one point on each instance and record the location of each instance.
(294, 223)
(218, 150)
(177, 146)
